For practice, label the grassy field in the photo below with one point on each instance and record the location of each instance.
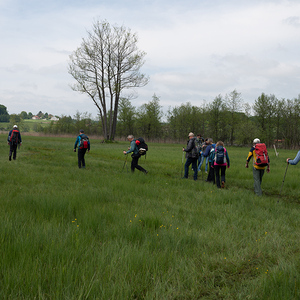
(104, 233)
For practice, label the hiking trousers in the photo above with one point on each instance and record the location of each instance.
(192, 161)
(81, 160)
(13, 150)
(257, 176)
(135, 163)
(217, 172)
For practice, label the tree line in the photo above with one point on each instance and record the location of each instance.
(274, 121)
(226, 118)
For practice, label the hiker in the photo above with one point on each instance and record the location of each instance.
(199, 143)
(221, 161)
(211, 170)
(295, 160)
(258, 168)
(191, 156)
(205, 153)
(13, 140)
(83, 144)
(135, 155)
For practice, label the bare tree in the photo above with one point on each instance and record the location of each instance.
(107, 62)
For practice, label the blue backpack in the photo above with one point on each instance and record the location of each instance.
(220, 155)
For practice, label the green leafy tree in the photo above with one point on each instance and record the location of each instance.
(217, 116)
(264, 109)
(106, 64)
(126, 118)
(234, 106)
(184, 119)
(149, 117)
(4, 116)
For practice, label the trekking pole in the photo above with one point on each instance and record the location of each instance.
(125, 163)
(283, 180)
(182, 163)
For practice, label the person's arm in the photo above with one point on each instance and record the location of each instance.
(249, 157)
(8, 138)
(295, 160)
(207, 151)
(76, 143)
(189, 146)
(132, 147)
(20, 139)
(227, 159)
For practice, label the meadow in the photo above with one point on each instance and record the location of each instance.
(104, 233)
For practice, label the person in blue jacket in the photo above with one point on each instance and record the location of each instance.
(295, 160)
(13, 140)
(135, 155)
(83, 144)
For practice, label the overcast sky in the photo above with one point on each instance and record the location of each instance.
(196, 50)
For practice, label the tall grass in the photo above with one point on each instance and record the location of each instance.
(104, 233)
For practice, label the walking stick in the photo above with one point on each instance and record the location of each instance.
(182, 163)
(125, 163)
(283, 180)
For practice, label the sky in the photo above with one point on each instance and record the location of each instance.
(195, 50)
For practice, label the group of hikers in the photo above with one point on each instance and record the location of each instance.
(197, 150)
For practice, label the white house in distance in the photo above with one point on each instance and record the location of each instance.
(54, 118)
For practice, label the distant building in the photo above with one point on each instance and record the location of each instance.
(35, 118)
(54, 119)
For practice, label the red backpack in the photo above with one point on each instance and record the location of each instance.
(262, 158)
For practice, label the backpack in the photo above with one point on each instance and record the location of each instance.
(14, 138)
(220, 155)
(262, 158)
(141, 145)
(84, 142)
(211, 156)
(199, 145)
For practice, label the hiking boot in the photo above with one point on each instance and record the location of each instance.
(9, 158)
(223, 184)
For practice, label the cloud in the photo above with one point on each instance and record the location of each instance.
(196, 50)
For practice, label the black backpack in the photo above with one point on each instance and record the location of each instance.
(220, 155)
(142, 146)
(14, 138)
(84, 142)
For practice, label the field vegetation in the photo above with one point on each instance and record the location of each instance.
(104, 233)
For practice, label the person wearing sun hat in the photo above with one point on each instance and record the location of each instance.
(13, 140)
(258, 171)
(191, 156)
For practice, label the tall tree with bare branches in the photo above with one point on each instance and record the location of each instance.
(107, 63)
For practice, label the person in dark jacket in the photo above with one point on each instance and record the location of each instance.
(221, 166)
(14, 139)
(191, 156)
(82, 148)
(135, 155)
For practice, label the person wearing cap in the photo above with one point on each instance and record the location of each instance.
(83, 144)
(191, 156)
(258, 171)
(295, 160)
(135, 155)
(14, 139)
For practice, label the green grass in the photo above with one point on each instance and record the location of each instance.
(104, 233)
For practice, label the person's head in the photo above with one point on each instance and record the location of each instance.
(130, 137)
(191, 135)
(256, 141)
(81, 131)
(198, 135)
(219, 143)
(209, 141)
(15, 127)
